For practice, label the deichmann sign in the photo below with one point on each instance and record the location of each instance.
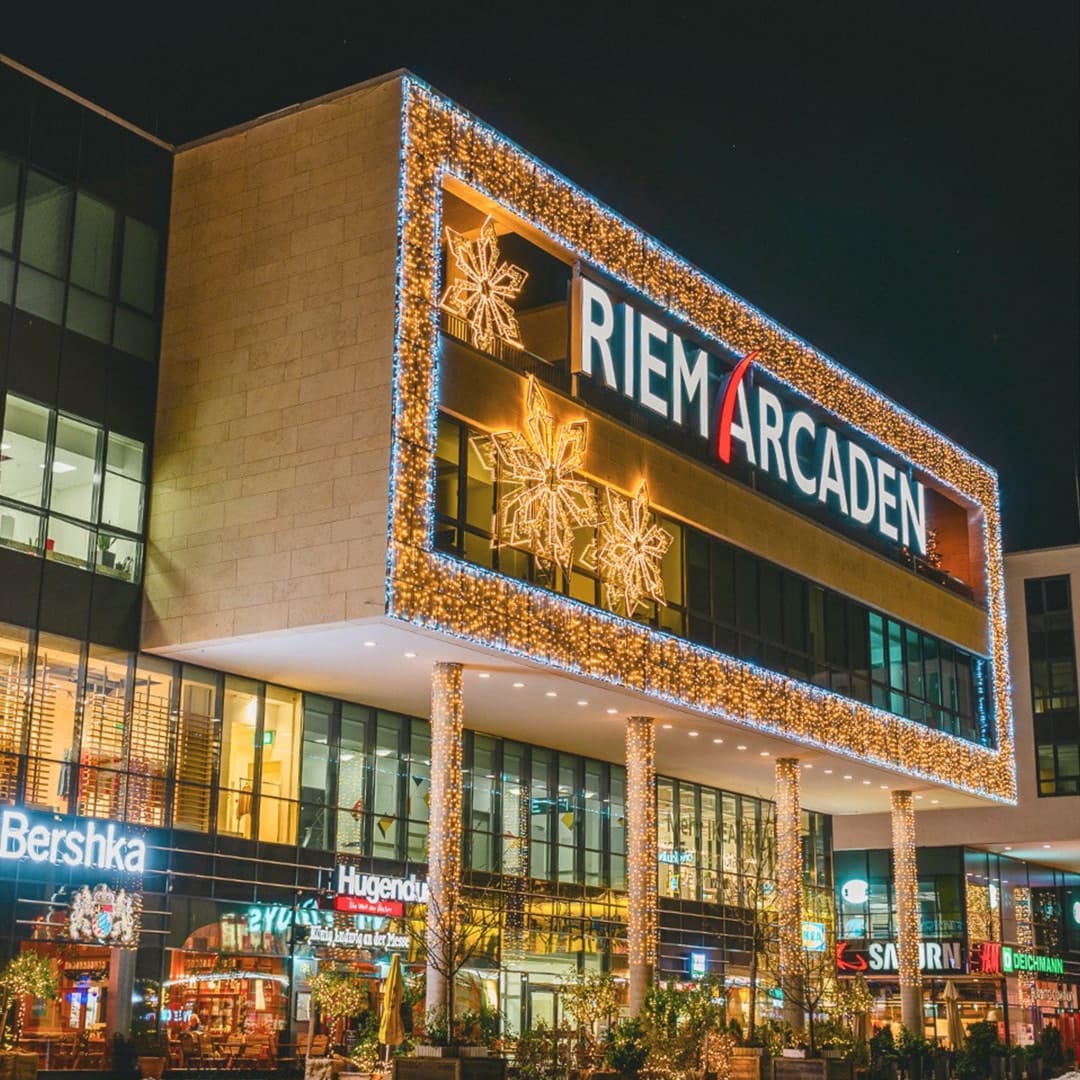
(881, 957)
(374, 894)
(90, 846)
(628, 351)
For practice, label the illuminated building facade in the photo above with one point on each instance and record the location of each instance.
(440, 438)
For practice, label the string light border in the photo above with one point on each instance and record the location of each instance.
(439, 140)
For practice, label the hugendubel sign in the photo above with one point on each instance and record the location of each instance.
(376, 894)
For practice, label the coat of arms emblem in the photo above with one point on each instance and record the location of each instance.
(104, 916)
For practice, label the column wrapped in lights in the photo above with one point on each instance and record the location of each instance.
(906, 887)
(444, 829)
(789, 887)
(640, 856)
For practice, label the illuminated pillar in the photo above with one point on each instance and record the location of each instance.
(444, 833)
(789, 888)
(906, 886)
(640, 856)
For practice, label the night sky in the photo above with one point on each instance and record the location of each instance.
(895, 182)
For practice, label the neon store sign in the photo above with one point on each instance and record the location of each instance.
(882, 956)
(89, 846)
(992, 958)
(376, 894)
(625, 350)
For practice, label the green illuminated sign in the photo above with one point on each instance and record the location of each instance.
(1014, 960)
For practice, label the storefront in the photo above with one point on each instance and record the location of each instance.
(997, 927)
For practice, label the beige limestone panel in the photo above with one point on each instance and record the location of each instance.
(271, 463)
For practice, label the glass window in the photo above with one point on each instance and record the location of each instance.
(24, 450)
(9, 193)
(15, 683)
(68, 543)
(102, 766)
(135, 334)
(387, 796)
(541, 814)
(617, 826)
(480, 491)
(354, 773)
(138, 268)
(88, 314)
(122, 503)
(418, 795)
(515, 813)
(279, 772)
(667, 873)
(197, 731)
(239, 725)
(710, 847)
(148, 752)
(39, 294)
(76, 468)
(92, 244)
(482, 803)
(315, 774)
(20, 529)
(45, 223)
(57, 689)
(447, 485)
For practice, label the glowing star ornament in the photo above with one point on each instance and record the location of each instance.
(629, 551)
(542, 501)
(481, 295)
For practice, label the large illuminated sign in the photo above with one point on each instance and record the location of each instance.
(375, 894)
(882, 957)
(90, 846)
(854, 891)
(626, 350)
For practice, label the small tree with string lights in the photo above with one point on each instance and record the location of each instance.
(28, 975)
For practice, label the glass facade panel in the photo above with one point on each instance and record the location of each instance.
(76, 469)
(239, 728)
(15, 685)
(46, 213)
(9, 192)
(197, 732)
(24, 450)
(354, 778)
(386, 804)
(280, 747)
(92, 245)
(51, 743)
(138, 268)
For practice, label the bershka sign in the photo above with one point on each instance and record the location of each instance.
(91, 846)
(626, 350)
(882, 957)
(374, 894)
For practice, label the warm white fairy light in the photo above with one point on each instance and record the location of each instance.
(1025, 938)
(482, 294)
(629, 551)
(543, 499)
(640, 851)
(444, 821)
(906, 884)
(440, 144)
(789, 871)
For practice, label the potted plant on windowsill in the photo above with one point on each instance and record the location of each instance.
(108, 556)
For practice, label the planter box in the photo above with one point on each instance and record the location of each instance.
(749, 1063)
(423, 1051)
(450, 1068)
(785, 1068)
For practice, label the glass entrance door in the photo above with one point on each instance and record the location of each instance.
(543, 1007)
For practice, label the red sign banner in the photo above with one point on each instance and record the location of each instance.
(361, 905)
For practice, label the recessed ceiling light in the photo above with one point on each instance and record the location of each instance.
(484, 675)
(518, 685)
(740, 747)
(718, 741)
(828, 772)
(847, 777)
(61, 467)
(763, 753)
(410, 656)
(935, 801)
(807, 765)
(666, 727)
(583, 702)
(5, 446)
(612, 712)
(551, 693)
(692, 734)
(866, 781)
(884, 787)
(918, 796)
(1047, 846)
(369, 644)
(1008, 847)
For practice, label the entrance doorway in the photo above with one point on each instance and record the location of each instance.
(541, 1006)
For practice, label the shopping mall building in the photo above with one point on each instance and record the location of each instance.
(380, 513)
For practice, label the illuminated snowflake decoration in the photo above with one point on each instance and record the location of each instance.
(542, 501)
(630, 550)
(481, 296)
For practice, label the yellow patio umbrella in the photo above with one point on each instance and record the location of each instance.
(391, 1031)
